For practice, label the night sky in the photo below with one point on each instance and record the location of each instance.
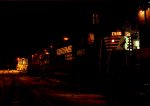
(26, 26)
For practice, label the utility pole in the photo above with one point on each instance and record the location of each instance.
(95, 23)
(100, 54)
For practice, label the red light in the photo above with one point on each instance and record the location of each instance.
(112, 40)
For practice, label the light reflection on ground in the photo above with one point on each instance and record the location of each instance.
(88, 99)
(9, 71)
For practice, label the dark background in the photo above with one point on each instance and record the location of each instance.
(26, 26)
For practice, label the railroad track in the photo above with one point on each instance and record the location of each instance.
(17, 94)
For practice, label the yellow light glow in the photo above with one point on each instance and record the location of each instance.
(46, 52)
(22, 64)
(127, 34)
(141, 11)
(91, 38)
(141, 16)
(66, 38)
(148, 15)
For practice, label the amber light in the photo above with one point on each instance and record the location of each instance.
(66, 38)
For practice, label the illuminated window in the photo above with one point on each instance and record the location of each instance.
(91, 38)
(136, 44)
(141, 16)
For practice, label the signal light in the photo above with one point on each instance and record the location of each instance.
(112, 40)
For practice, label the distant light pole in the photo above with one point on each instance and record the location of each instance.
(47, 55)
(95, 24)
(32, 58)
